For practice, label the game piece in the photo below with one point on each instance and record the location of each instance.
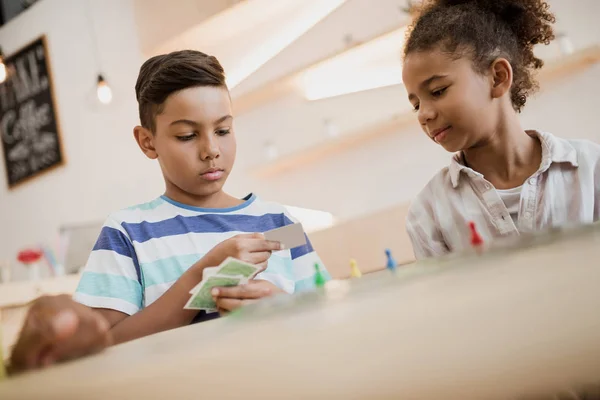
(354, 271)
(476, 239)
(319, 279)
(290, 236)
(391, 263)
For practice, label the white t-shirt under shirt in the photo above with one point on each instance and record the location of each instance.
(512, 200)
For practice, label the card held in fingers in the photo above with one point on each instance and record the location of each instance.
(229, 267)
(206, 273)
(234, 267)
(203, 300)
(290, 236)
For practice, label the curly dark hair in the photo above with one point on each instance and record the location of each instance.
(163, 75)
(486, 30)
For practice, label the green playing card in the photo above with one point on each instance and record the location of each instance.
(233, 267)
(203, 300)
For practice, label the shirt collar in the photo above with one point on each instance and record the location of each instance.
(554, 150)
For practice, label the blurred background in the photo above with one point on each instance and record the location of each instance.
(322, 120)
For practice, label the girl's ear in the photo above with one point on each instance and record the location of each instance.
(501, 75)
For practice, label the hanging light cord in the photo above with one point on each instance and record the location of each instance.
(93, 35)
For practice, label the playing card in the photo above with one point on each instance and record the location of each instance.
(202, 299)
(229, 267)
(232, 266)
(290, 236)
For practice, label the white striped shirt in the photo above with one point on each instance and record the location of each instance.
(144, 249)
(564, 191)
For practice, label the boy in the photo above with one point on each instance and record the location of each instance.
(150, 256)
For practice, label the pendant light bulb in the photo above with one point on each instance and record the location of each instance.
(103, 91)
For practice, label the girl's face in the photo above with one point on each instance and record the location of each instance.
(455, 104)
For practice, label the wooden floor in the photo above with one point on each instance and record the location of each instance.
(514, 323)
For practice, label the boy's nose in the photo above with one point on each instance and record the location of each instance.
(209, 148)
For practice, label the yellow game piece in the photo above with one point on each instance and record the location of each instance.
(354, 271)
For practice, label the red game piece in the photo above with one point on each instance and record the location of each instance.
(476, 239)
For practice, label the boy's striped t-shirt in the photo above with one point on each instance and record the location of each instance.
(143, 250)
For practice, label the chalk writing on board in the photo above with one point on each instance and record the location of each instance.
(29, 129)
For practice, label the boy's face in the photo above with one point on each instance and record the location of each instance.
(194, 140)
(453, 102)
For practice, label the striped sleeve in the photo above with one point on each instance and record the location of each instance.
(304, 259)
(111, 278)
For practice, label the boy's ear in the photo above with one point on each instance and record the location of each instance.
(145, 139)
(501, 77)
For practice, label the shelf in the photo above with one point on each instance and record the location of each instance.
(553, 71)
(334, 146)
(288, 83)
(569, 65)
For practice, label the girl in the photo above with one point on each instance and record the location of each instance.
(468, 68)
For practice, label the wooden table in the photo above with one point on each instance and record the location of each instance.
(506, 325)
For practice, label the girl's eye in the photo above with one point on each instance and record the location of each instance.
(439, 92)
(415, 108)
(223, 132)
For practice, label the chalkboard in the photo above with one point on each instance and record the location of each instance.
(29, 128)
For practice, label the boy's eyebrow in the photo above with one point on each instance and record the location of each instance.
(184, 121)
(194, 123)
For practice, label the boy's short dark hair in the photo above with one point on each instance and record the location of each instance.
(163, 75)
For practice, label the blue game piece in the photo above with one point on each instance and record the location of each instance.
(391, 263)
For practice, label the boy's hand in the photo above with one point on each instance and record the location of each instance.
(57, 328)
(234, 297)
(252, 248)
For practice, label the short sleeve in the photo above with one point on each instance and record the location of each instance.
(111, 278)
(304, 259)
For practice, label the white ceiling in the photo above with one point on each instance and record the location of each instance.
(165, 29)
(179, 26)
(157, 24)
(360, 20)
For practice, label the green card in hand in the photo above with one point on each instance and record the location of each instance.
(229, 267)
(202, 299)
(235, 267)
